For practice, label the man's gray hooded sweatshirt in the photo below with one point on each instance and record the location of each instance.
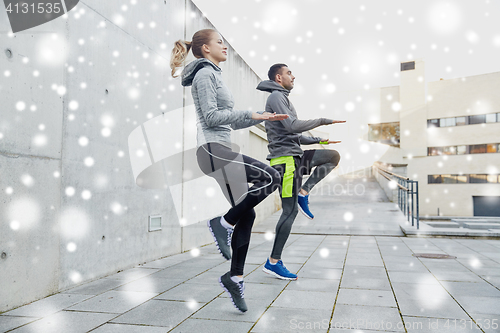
(214, 103)
(284, 136)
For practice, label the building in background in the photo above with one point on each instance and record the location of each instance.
(446, 135)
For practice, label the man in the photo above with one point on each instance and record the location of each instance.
(291, 161)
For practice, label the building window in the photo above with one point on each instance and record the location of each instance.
(386, 133)
(461, 150)
(464, 120)
(491, 178)
(449, 179)
(477, 119)
(461, 121)
(463, 179)
(492, 148)
(477, 149)
(478, 179)
(450, 150)
(491, 118)
(433, 123)
(434, 179)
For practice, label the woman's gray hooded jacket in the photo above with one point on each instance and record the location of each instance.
(214, 103)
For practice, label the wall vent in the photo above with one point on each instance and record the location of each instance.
(406, 66)
(155, 223)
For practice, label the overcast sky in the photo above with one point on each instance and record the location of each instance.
(338, 46)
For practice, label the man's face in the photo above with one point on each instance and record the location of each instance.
(285, 78)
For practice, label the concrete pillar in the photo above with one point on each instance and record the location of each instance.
(413, 114)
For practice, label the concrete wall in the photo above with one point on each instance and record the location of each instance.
(389, 104)
(413, 114)
(70, 210)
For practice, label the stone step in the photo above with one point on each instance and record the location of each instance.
(443, 224)
(482, 225)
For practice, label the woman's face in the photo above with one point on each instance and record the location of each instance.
(215, 50)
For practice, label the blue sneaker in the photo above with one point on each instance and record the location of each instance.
(304, 206)
(279, 270)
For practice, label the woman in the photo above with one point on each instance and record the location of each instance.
(215, 119)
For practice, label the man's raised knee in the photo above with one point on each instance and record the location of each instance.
(335, 157)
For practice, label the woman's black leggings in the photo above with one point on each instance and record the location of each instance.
(233, 172)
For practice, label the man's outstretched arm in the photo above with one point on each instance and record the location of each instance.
(310, 140)
(279, 104)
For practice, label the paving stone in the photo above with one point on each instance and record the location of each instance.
(150, 284)
(367, 317)
(298, 299)
(320, 273)
(282, 320)
(209, 277)
(223, 309)
(307, 284)
(488, 322)
(10, 322)
(166, 314)
(219, 326)
(133, 273)
(121, 328)
(364, 262)
(66, 321)
(494, 280)
(162, 263)
(364, 271)
(367, 282)
(431, 307)
(489, 271)
(480, 288)
(419, 290)
(409, 266)
(412, 277)
(357, 250)
(185, 292)
(324, 263)
(96, 287)
(258, 276)
(443, 266)
(260, 291)
(366, 297)
(48, 305)
(439, 325)
(458, 276)
(113, 302)
(174, 272)
(481, 305)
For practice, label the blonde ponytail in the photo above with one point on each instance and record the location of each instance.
(181, 48)
(179, 54)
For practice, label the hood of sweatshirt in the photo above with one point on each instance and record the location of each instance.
(271, 86)
(193, 67)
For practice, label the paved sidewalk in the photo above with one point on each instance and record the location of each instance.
(346, 205)
(360, 282)
(347, 283)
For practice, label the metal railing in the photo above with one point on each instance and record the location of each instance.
(407, 194)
